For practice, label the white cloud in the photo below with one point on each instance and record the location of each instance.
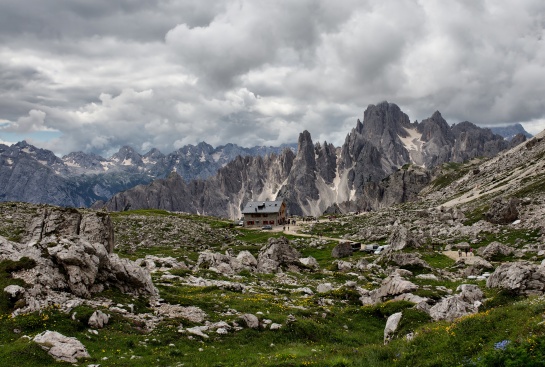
(35, 121)
(260, 72)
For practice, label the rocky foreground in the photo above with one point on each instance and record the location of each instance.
(66, 259)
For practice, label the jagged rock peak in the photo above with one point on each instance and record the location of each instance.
(127, 156)
(154, 153)
(305, 150)
(384, 119)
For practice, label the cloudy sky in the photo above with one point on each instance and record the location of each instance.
(95, 75)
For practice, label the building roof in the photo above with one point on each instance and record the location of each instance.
(262, 207)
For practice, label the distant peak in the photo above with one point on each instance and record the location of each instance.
(436, 115)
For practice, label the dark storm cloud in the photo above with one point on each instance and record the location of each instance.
(167, 73)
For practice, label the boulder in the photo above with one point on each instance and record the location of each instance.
(215, 261)
(391, 286)
(98, 320)
(503, 211)
(60, 347)
(412, 260)
(343, 249)
(198, 331)
(402, 238)
(470, 293)
(127, 276)
(494, 249)
(310, 262)
(362, 264)
(190, 313)
(391, 326)
(247, 260)
(465, 303)
(324, 288)
(479, 265)
(276, 255)
(520, 277)
(427, 277)
(411, 298)
(251, 321)
(343, 266)
(451, 308)
(155, 263)
(14, 291)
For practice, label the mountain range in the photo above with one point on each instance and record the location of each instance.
(510, 131)
(35, 175)
(384, 160)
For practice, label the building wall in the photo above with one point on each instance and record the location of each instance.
(258, 220)
(261, 219)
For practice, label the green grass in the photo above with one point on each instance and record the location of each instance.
(7, 267)
(437, 260)
(451, 172)
(256, 236)
(463, 341)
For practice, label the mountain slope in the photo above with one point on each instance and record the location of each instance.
(363, 174)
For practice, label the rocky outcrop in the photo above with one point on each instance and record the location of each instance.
(405, 260)
(402, 238)
(56, 223)
(60, 347)
(66, 265)
(466, 302)
(226, 264)
(391, 286)
(473, 141)
(189, 313)
(300, 188)
(343, 249)
(326, 161)
(520, 277)
(277, 255)
(503, 211)
(495, 249)
(438, 138)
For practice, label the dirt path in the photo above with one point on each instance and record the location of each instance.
(293, 231)
(470, 259)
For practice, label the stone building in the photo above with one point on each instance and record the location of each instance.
(261, 213)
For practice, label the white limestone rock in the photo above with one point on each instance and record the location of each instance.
(391, 326)
(98, 320)
(251, 321)
(60, 347)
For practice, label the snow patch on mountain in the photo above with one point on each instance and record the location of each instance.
(413, 143)
(216, 156)
(72, 164)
